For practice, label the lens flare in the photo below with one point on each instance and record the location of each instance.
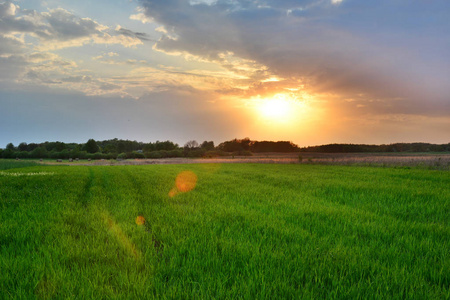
(140, 220)
(185, 182)
(121, 236)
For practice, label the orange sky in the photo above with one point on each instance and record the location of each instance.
(312, 72)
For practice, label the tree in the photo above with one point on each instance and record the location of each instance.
(110, 148)
(91, 146)
(60, 146)
(191, 145)
(32, 146)
(39, 152)
(207, 145)
(7, 153)
(23, 147)
(231, 146)
(121, 147)
(10, 146)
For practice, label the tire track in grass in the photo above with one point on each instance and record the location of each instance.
(112, 200)
(139, 203)
(86, 194)
(94, 244)
(121, 236)
(106, 191)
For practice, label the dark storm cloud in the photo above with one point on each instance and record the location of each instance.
(377, 48)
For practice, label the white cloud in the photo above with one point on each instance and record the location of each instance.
(141, 16)
(10, 44)
(8, 8)
(38, 57)
(59, 28)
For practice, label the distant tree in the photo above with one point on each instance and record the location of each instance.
(166, 145)
(39, 152)
(21, 154)
(245, 143)
(207, 145)
(110, 148)
(121, 147)
(149, 147)
(23, 147)
(8, 153)
(128, 146)
(191, 145)
(60, 146)
(231, 146)
(55, 146)
(32, 146)
(91, 146)
(10, 146)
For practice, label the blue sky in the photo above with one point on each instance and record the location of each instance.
(307, 71)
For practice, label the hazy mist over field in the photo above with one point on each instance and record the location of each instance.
(307, 71)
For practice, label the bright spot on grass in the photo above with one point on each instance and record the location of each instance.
(120, 236)
(140, 220)
(185, 182)
(17, 174)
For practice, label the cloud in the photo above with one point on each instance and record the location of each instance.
(59, 28)
(29, 37)
(63, 25)
(7, 9)
(140, 16)
(39, 57)
(344, 50)
(10, 45)
(129, 33)
(77, 79)
(12, 67)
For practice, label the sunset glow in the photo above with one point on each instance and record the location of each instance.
(276, 108)
(183, 70)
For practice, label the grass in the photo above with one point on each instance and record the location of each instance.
(245, 231)
(6, 164)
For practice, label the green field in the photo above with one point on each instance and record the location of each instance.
(246, 231)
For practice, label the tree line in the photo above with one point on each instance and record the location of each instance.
(397, 147)
(124, 149)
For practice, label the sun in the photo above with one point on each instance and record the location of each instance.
(277, 108)
(274, 108)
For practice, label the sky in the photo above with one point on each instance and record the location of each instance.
(308, 71)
